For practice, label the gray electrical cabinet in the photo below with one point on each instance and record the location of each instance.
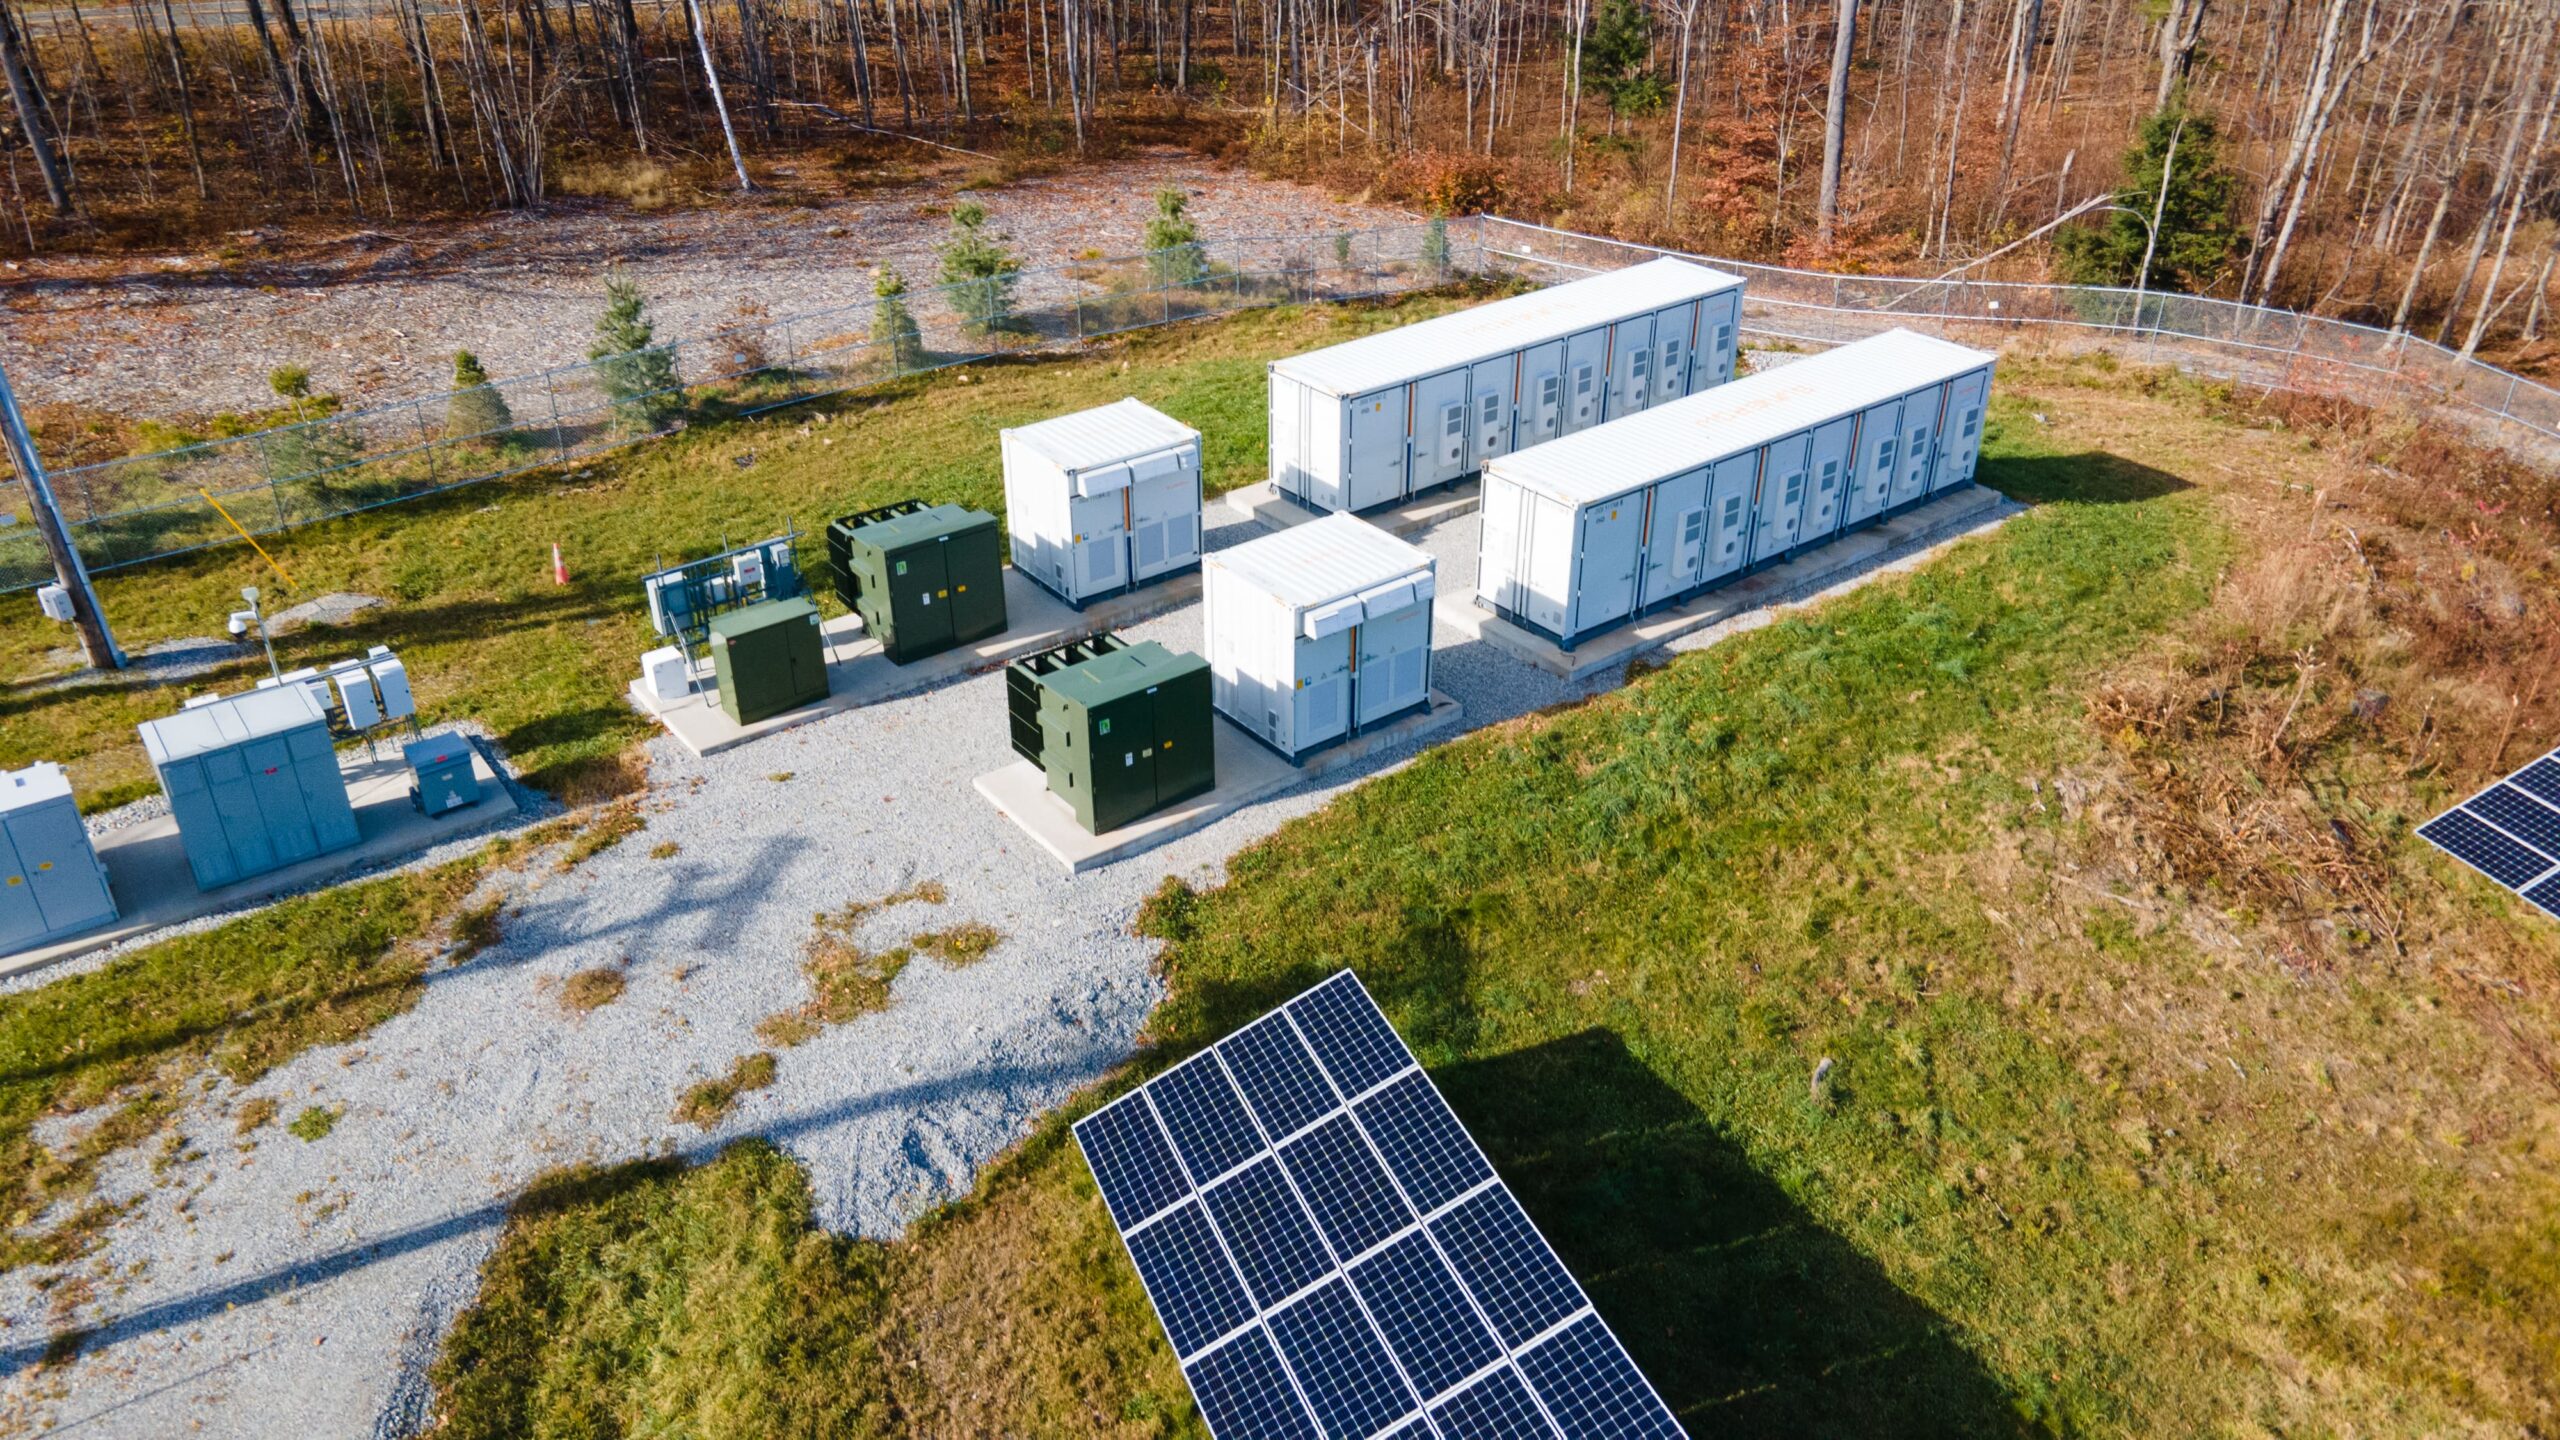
(440, 774)
(51, 884)
(253, 783)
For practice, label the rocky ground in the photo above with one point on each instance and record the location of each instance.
(376, 315)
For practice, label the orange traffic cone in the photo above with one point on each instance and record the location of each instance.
(559, 567)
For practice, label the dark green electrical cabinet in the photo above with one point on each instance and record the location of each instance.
(769, 658)
(924, 578)
(1121, 730)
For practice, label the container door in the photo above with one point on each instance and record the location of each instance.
(226, 773)
(1729, 514)
(1719, 325)
(1440, 430)
(1963, 443)
(1671, 330)
(1608, 551)
(1585, 355)
(1374, 472)
(1875, 452)
(1395, 661)
(1675, 546)
(53, 853)
(1164, 514)
(21, 919)
(200, 825)
(1830, 479)
(1631, 367)
(1919, 443)
(920, 587)
(1489, 406)
(1782, 494)
(277, 782)
(1097, 541)
(1124, 762)
(1539, 407)
(1323, 699)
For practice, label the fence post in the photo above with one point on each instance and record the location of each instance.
(427, 442)
(559, 438)
(2503, 405)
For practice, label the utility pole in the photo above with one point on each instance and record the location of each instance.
(96, 641)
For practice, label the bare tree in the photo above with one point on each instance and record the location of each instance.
(1835, 120)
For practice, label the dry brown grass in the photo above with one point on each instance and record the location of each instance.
(845, 980)
(961, 945)
(592, 989)
(705, 1102)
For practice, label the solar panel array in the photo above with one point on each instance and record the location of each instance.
(1333, 1258)
(2510, 832)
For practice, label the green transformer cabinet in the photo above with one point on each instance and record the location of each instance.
(1121, 730)
(924, 578)
(768, 659)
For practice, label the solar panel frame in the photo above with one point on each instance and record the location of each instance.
(1275, 1093)
(2474, 833)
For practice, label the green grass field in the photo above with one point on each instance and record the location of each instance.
(2093, 1156)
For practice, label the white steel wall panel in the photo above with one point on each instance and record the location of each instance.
(1316, 631)
(1100, 500)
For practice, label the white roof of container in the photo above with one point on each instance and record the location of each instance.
(1103, 435)
(1321, 561)
(1499, 327)
(34, 785)
(1610, 460)
(226, 723)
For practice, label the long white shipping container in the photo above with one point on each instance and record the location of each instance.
(1586, 532)
(1372, 421)
(1103, 500)
(1318, 632)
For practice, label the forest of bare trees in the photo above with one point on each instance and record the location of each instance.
(2387, 160)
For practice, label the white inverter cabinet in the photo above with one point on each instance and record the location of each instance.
(1583, 533)
(1103, 500)
(51, 884)
(1373, 421)
(253, 782)
(1317, 632)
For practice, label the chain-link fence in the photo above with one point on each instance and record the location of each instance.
(123, 512)
(2278, 349)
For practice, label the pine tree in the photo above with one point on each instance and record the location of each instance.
(1435, 246)
(1614, 58)
(639, 379)
(2198, 239)
(893, 326)
(1173, 242)
(477, 409)
(979, 270)
(310, 443)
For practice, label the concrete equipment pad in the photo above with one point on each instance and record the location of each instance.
(1264, 503)
(1248, 771)
(147, 863)
(1955, 513)
(859, 674)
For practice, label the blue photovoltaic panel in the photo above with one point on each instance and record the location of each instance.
(1424, 1316)
(2475, 843)
(2520, 815)
(2541, 779)
(1196, 1292)
(1130, 1160)
(1357, 1045)
(1592, 1389)
(1274, 1242)
(1355, 1203)
(1422, 1142)
(1341, 1364)
(1244, 1393)
(1287, 1090)
(1505, 1266)
(1328, 1269)
(2509, 832)
(1497, 1407)
(1206, 1119)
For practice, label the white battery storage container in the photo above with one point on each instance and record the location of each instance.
(1586, 532)
(1373, 421)
(51, 883)
(1103, 500)
(1317, 632)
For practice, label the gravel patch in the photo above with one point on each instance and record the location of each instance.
(377, 317)
(165, 662)
(335, 608)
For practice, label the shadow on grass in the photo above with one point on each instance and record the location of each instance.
(2093, 477)
(1748, 1315)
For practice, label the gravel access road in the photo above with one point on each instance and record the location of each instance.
(377, 314)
